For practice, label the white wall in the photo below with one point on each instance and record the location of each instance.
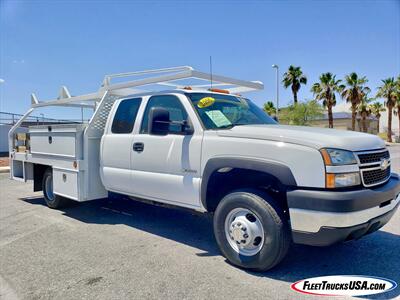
(4, 129)
(384, 123)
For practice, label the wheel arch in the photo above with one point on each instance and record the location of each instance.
(38, 173)
(276, 173)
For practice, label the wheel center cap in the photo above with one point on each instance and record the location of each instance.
(237, 234)
(240, 232)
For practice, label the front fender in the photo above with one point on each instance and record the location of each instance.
(276, 169)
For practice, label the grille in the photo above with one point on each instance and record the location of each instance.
(370, 167)
(373, 177)
(367, 158)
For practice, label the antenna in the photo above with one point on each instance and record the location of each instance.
(211, 73)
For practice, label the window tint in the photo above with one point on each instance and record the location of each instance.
(170, 103)
(124, 118)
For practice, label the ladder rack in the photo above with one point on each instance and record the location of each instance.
(164, 77)
(102, 100)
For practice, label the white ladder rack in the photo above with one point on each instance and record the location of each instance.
(109, 92)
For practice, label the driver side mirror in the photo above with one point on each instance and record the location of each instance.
(158, 121)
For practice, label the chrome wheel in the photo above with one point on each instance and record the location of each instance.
(49, 188)
(244, 231)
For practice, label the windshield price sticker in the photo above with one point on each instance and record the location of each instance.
(206, 102)
(218, 118)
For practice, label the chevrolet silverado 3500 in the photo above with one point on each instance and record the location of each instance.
(212, 150)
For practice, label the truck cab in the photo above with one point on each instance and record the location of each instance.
(161, 165)
(214, 151)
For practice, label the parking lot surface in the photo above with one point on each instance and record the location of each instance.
(121, 249)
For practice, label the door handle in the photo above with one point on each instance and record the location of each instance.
(138, 147)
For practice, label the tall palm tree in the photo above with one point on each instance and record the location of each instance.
(388, 91)
(353, 93)
(397, 110)
(269, 108)
(294, 78)
(325, 90)
(364, 111)
(376, 109)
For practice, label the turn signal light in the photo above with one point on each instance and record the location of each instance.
(339, 180)
(330, 181)
(326, 157)
(219, 91)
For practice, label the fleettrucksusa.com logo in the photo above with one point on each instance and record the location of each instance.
(344, 285)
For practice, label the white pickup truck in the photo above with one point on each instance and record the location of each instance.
(212, 150)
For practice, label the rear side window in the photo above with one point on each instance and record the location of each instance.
(124, 118)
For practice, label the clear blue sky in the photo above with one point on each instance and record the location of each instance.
(46, 44)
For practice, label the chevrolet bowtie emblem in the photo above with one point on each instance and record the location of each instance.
(384, 164)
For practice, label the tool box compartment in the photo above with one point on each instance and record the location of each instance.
(57, 140)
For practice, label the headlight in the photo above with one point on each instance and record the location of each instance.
(336, 157)
(337, 180)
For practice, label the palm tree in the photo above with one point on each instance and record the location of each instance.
(325, 90)
(397, 110)
(388, 91)
(364, 111)
(294, 78)
(269, 108)
(376, 109)
(354, 93)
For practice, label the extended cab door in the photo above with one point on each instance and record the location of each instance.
(166, 168)
(116, 146)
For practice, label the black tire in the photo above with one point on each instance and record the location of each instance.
(52, 200)
(277, 236)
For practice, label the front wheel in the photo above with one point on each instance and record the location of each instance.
(251, 230)
(52, 200)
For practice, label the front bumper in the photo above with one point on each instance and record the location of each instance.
(323, 218)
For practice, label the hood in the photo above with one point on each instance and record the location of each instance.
(308, 136)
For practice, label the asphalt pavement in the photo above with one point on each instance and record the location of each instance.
(121, 249)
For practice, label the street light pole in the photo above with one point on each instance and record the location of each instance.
(276, 67)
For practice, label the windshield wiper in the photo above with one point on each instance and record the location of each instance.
(230, 126)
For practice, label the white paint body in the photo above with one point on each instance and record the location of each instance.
(158, 173)
(92, 160)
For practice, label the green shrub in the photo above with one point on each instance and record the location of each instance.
(301, 113)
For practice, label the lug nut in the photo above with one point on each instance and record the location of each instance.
(239, 224)
(244, 228)
(245, 235)
(243, 241)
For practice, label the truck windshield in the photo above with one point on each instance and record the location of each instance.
(218, 111)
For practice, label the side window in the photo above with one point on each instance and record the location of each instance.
(170, 103)
(125, 116)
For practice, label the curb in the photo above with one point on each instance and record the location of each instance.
(4, 170)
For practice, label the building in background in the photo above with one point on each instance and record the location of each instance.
(342, 120)
(345, 107)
